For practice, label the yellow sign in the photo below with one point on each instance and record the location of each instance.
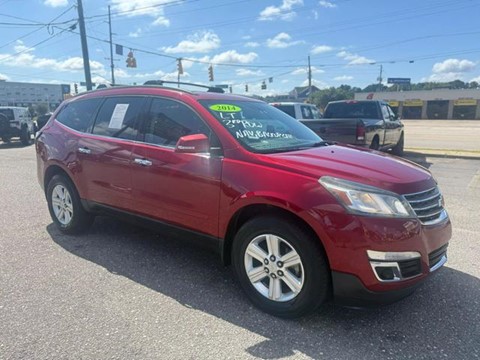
(393, 103)
(225, 108)
(413, 102)
(465, 102)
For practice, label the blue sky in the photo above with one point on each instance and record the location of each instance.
(347, 40)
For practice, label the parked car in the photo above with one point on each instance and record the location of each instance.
(299, 111)
(299, 218)
(367, 123)
(16, 122)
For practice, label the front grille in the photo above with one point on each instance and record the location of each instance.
(410, 268)
(428, 205)
(436, 256)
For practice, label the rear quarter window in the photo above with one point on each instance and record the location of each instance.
(78, 115)
(287, 109)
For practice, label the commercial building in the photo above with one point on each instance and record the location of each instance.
(460, 104)
(26, 94)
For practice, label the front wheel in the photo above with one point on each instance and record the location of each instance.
(65, 207)
(281, 267)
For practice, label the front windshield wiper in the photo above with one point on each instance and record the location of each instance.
(298, 148)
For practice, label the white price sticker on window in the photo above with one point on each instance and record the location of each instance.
(116, 121)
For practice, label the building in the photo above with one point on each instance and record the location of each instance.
(26, 94)
(301, 93)
(431, 104)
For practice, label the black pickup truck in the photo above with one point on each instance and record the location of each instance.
(368, 123)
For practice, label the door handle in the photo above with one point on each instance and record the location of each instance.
(143, 162)
(84, 150)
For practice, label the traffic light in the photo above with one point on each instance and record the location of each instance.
(131, 61)
(180, 67)
(264, 86)
(210, 73)
(246, 87)
(76, 88)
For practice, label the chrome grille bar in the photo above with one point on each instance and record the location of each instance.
(427, 205)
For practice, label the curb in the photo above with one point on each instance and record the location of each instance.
(442, 153)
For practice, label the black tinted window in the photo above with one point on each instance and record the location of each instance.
(287, 109)
(118, 117)
(8, 113)
(352, 110)
(78, 114)
(169, 120)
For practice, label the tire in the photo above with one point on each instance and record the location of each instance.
(398, 149)
(375, 145)
(311, 274)
(26, 136)
(65, 207)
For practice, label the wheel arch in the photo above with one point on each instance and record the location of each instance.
(51, 171)
(248, 212)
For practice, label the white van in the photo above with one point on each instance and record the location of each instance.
(299, 111)
(16, 122)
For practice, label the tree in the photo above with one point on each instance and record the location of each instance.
(42, 109)
(323, 97)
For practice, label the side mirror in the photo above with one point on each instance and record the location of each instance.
(196, 143)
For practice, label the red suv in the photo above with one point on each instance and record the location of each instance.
(300, 218)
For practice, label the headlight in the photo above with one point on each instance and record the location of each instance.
(367, 200)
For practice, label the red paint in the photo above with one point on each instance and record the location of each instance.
(203, 192)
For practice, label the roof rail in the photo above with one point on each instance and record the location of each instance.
(161, 82)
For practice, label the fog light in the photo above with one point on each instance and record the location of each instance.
(385, 273)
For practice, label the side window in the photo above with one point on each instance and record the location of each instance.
(78, 114)
(385, 113)
(392, 113)
(306, 112)
(118, 117)
(169, 120)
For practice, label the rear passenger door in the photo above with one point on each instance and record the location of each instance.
(105, 155)
(178, 188)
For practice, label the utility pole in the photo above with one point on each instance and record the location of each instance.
(309, 78)
(112, 66)
(380, 79)
(83, 38)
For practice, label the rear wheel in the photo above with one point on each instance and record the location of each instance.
(398, 149)
(375, 145)
(281, 267)
(65, 207)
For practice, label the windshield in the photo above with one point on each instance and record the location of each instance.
(260, 127)
(352, 110)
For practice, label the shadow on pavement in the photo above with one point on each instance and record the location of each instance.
(441, 319)
(12, 145)
(418, 158)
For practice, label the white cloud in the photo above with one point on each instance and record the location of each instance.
(354, 59)
(315, 14)
(284, 81)
(4, 77)
(136, 33)
(248, 72)
(100, 80)
(343, 78)
(200, 42)
(281, 41)
(302, 71)
(56, 3)
(252, 44)
(320, 49)
(449, 70)
(476, 79)
(282, 12)
(327, 4)
(231, 56)
(152, 8)
(29, 60)
(453, 66)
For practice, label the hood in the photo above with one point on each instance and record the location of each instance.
(361, 165)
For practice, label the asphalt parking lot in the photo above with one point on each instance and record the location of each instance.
(121, 292)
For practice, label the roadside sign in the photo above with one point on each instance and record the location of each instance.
(465, 102)
(393, 103)
(413, 102)
(222, 86)
(398, 81)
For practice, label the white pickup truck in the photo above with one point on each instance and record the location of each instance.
(16, 122)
